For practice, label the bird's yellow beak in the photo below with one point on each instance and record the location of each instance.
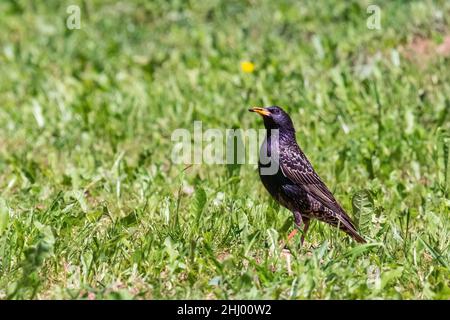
(261, 111)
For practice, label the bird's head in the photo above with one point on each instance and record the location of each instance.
(274, 118)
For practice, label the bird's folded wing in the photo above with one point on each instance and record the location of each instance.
(296, 167)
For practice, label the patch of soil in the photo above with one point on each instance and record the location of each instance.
(422, 49)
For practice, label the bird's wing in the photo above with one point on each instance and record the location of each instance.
(296, 167)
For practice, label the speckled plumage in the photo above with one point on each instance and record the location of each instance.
(296, 185)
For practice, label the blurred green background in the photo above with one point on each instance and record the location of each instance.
(91, 206)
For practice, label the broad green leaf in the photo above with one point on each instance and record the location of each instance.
(4, 215)
(358, 250)
(199, 202)
(363, 209)
(390, 275)
(273, 240)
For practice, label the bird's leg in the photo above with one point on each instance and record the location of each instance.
(305, 229)
(299, 220)
(298, 223)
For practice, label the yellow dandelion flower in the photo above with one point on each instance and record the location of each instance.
(247, 67)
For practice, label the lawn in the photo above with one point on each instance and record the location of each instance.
(92, 207)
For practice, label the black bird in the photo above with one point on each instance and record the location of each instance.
(295, 184)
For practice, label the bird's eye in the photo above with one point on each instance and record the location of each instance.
(276, 111)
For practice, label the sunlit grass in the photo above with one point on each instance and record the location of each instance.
(92, 207)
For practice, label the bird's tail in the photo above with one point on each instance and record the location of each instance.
(350, 229)
(347, 225)
(355, 235)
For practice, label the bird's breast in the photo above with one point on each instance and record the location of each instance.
(273, 179)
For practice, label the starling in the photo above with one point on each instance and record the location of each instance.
(295, 184)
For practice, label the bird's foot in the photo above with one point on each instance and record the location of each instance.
(284, 246)
(292, 234)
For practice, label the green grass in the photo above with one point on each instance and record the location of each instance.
(91, 205)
